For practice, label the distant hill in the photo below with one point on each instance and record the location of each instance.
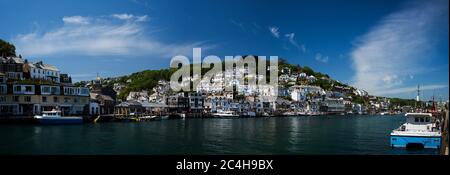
(148, 79)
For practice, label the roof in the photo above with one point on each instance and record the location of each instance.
(14, 59)
(129, 103)
(41, 65)
(419, 114)
(17, 59)
(100, 96)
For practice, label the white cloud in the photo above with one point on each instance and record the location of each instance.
(125, 16)
(275, 32)
(291, 38)
(142, 18)
(75, 20)
(101, 36)
(390, 52)
(320, 58)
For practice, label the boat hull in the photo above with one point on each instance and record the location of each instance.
(403, 141)
(62, 120)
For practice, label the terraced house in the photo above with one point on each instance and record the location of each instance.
(37, 88)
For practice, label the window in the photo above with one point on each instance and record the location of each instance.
(44, 99)
(427, 119)
(27, 99)
(421, 119)
(416, 119)
(45, 89)
(2, 89)
(2, 98)
(28, 88)
(55, 99)
(75, 100)
(16, 98)
(66, 99)
(17, 88)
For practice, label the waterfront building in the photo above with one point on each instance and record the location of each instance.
(129, 108)
(32, 99)
(12, 67)
(334, 106)
(196, 102)
(41, 71)
(178, 102)
(101, 104)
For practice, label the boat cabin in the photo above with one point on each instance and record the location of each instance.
(51, 113)
(421, 122)
(419, 118)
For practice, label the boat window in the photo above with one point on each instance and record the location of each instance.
(421, 119)
(427, 119)
(416, 119)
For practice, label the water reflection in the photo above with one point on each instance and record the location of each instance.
(288, 135)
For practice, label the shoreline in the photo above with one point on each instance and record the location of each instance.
(106, 119)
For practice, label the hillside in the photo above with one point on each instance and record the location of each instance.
(146, 80)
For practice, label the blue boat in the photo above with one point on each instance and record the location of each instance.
(54, 117)
(420, 129)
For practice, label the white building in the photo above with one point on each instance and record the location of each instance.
(300, 92)
(43, 71)
(138, 96)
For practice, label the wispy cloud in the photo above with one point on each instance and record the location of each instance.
(291, 38)
(275, 32)
(75, 20)
(117, 34)
(392, 51)
(238, 24)
(125, 16)
(319, 57)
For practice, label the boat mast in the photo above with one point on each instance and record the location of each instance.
(418, 96)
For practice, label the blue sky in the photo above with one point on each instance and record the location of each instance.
(383, 46)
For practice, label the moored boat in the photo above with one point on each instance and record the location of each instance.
(54, 117)
(420, 129)
(225, 114)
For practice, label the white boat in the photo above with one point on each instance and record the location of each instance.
(420, 129)
(156, 117)
(54, 117)
(225, 114)
(289, 114)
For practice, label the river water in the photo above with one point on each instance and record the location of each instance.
(341, 135)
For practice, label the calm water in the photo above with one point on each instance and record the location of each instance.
(286, 135)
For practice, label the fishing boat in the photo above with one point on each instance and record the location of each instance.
(420, 130)
(54, 117)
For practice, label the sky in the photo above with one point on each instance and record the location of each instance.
(386, 47)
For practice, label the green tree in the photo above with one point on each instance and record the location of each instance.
(7, 49)
(308, 71)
